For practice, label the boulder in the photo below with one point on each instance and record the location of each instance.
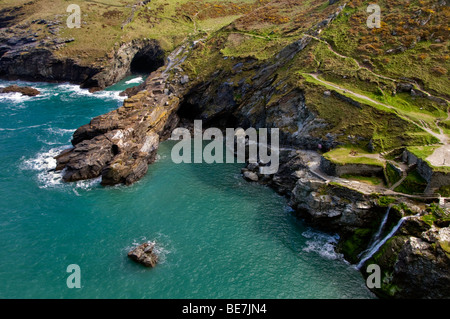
(250, 176)
(144, 254)
(25, 90)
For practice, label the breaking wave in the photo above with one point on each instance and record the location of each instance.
(44, 163)
(139, 79)
(75, 91)
(162, 244)
(322, 244)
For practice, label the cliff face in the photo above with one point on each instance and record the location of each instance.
(252, 94)
(21, 56)
(22, 59)
(415, 261)
(135, 56)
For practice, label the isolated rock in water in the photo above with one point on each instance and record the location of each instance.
(144, 255)
(25, 90)
(250, 176)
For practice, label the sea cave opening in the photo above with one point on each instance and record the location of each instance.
(147, 60)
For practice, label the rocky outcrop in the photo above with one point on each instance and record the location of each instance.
(415, 262)
(144, 254)
(332, 207)
(119, 145)
(27, 55)
(24, 90)
(135, 56)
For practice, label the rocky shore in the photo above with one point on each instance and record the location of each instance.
(119, 145)
(414, 261)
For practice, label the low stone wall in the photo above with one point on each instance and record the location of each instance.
(334, 169)
(433, 178)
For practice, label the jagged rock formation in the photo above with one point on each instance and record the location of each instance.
(415, 262)
(119, 145)
(24, 55)
(144, 254)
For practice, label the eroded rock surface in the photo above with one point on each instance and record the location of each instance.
(144, 254)
(25, 90)
(120, 144)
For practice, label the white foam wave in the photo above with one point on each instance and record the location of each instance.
(21, 128)
(322, 244)
(59, 131)
(67, 87)
(162, 246)
(76, 90)
(160, 157)
(139, 79)
(64, 91)
(113, 95)
(18, 98)
(15, 97)
(89, 183)
(44, 164)
(54, 136)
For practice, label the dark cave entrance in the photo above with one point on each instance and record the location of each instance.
(147, 60)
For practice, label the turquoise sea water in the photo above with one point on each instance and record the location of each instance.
(217, 235)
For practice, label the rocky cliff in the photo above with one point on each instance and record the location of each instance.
(24, 57)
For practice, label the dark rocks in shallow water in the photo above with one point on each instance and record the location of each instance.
(25, 90)
(144, 254)
(119, 145)
(250, 176)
